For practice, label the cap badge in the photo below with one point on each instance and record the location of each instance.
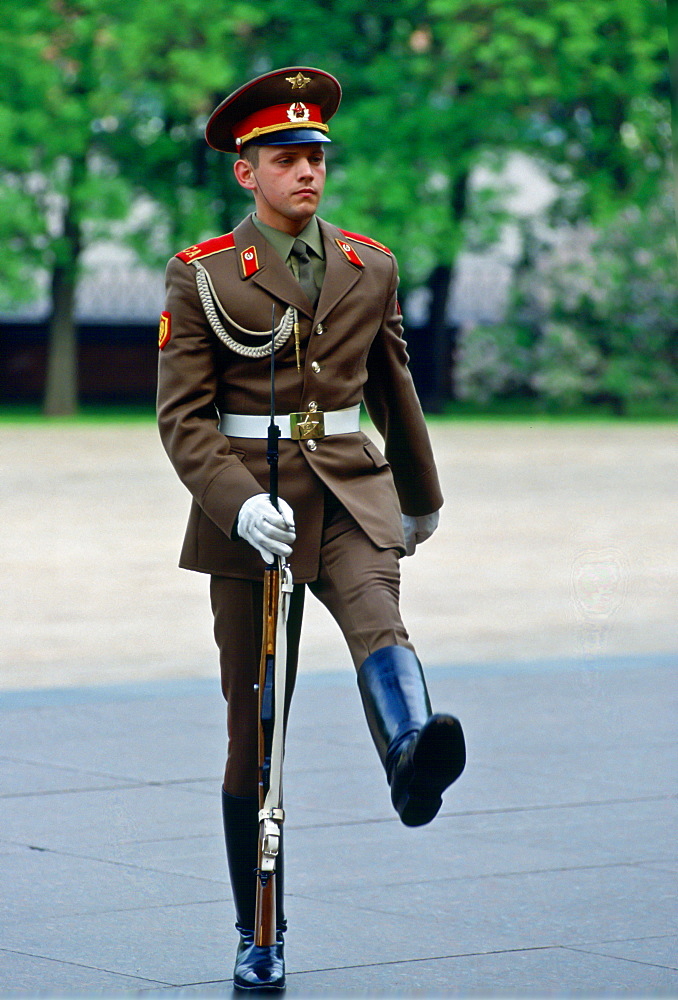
(298, 112)
(298, 82)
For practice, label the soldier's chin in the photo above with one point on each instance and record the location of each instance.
(304, 209)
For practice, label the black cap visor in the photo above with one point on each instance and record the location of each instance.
(289, 137)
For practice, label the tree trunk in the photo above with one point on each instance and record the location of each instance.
(61, 387)
(433, 364)
(440, 339)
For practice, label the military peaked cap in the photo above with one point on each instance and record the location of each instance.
(282, 107)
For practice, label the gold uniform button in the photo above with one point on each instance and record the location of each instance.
(311, 445)
(315, 367)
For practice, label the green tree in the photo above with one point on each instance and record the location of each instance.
(430, 86)
(594, 323)
(81, 121)
(57, 58)
(110, 97)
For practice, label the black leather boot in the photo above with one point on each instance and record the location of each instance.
(421, 753)
(256, 967)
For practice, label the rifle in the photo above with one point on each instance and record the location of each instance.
(278, 587)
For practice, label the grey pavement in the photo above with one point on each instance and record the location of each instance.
(545, 609)
(550, 871)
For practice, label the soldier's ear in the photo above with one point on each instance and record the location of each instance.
(244, 174)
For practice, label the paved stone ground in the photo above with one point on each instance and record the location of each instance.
(555, 540)
(551, 870)
(546, 609)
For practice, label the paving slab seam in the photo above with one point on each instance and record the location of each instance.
(504, 810)
(621, 958)
(187, 986)
(51, 792)
(122, 784)
(518, 873)
(225, 901)
(621, 940)
(117, 864)
(429, 958)
(133, 782)
(81, 965)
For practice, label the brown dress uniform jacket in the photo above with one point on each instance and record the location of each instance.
(352, 350)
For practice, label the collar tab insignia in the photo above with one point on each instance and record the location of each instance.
(249, 261)
(349, 252)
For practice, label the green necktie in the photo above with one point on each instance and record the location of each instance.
(305, 270)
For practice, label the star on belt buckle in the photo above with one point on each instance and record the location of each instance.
(306, 425)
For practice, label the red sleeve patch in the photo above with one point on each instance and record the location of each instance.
(165, 331)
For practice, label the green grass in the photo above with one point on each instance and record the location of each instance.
(506, 410)
(32, 413)
(533, 409)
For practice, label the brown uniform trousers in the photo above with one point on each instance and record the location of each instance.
(359, 585)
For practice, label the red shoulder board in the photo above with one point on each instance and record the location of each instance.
(207, 248)
(366, 240)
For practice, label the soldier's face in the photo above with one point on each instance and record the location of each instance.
(287, 184)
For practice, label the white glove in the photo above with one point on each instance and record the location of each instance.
(418, 529)
(271, 533)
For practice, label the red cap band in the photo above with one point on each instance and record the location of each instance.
(276, 119)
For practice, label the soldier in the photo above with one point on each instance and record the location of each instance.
(348, 513)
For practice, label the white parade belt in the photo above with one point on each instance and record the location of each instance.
(311, 423)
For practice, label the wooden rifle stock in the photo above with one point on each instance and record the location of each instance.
(265, 912)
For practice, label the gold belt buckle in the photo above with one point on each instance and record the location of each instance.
(307, 425)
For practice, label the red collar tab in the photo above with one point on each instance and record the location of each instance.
(366, 241)
(249, 262)
(207, 248)
(349, 252)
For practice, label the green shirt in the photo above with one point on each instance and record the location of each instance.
(282, 243)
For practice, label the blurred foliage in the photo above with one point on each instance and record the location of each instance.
(125, 87)
(594, 319)
(105, 104)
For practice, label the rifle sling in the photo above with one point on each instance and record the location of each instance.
(273, 798)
